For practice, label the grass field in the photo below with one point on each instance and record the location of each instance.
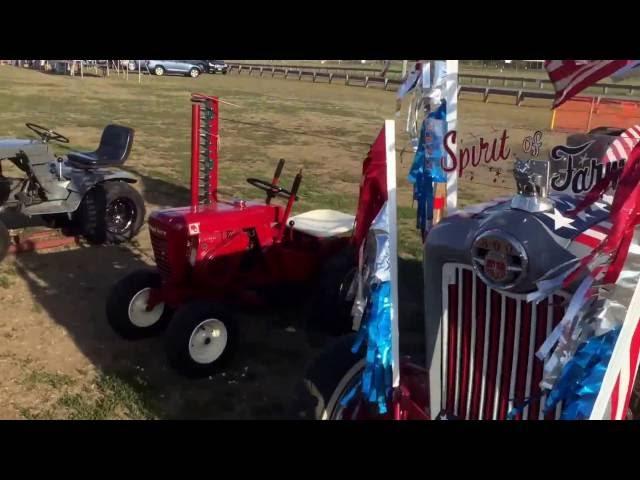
(58, 357)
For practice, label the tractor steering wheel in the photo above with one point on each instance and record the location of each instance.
(271, 189)
(46, 134)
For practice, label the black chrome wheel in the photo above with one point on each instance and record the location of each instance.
(121, 213)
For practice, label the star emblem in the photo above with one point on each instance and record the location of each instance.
(560, 221)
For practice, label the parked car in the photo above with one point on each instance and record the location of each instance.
(211, 66)
(185, 67)
(133, 65)
(218, 66)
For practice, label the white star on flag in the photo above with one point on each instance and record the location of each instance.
(559, 220)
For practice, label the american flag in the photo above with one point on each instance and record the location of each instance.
(621, 147)
(570, 77)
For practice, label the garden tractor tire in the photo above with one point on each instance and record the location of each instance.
(5, 241)
(330, 376)
(126, 306)
(201, 339)
(330, 310)
(111, 212)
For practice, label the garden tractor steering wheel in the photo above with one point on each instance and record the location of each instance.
(46, 134)
(270, 189)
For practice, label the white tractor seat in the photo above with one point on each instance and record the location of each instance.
(323, 223)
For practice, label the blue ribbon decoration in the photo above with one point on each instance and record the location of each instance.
(426, 168)
(377, 378)
(581, 378)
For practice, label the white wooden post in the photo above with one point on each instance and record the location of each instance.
(451, 95)
(392, 207)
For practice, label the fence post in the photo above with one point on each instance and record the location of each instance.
(250, 68)
(300, 74)
(239, 69)
(314, 76)
(330, 77)
(386, 83)
(286, 73)
(261, 70)
(590, 114)
(346, 79)
(273, 72)
(366, 81)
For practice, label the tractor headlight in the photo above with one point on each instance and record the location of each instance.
(499, 259)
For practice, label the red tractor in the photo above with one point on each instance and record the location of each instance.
(216, 256)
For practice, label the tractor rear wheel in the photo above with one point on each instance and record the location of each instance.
(5, 240)
(331, 308)
(201, 339)
(127, 306)
(111, 212)
(328, 379)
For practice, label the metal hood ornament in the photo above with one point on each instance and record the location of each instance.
(532, 180)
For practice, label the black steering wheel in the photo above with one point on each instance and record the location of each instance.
(46, 134)
(271, 189)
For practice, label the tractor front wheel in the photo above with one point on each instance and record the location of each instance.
(5, 240)
(127, 310)
(201, 339)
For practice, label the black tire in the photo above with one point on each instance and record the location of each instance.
(330, 311)
(159, 70)
(329, 377)
(119, 302)
(186, 321)
(194, 72)
(96, 217)
(5, 240)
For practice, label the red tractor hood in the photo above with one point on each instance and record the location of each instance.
(215, 217)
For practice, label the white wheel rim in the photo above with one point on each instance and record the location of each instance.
(158, 71)
(208, 341)
(194, 73)
(138, 313)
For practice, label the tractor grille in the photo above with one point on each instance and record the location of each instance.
(489, 342)
(161, 252)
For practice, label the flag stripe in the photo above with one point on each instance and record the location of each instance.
(570, 77)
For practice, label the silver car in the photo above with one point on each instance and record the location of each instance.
(183, 67)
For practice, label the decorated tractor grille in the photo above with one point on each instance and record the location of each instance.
(488, 345)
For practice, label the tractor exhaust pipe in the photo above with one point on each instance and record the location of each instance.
(276, 179)
(289, 207)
